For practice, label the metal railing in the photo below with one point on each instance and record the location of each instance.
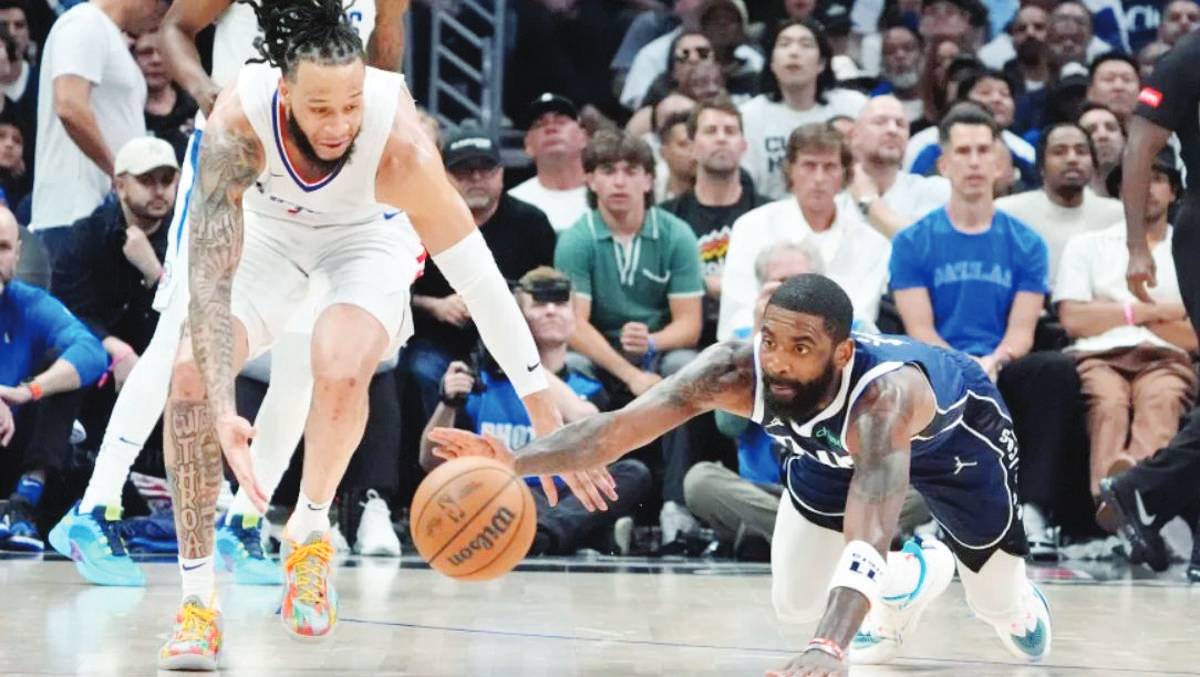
(466, 78)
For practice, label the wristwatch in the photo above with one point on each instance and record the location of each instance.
(864, 205)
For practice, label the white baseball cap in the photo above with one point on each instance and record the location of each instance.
(144, 154)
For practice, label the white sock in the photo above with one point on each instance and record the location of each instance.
(198, 578)
(138, 408)
(308, 517)
(903, 574)
(281, 417)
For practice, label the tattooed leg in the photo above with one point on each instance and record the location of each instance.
(193, 460)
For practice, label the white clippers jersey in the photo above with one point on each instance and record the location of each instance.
(237, 28)
(344, 197)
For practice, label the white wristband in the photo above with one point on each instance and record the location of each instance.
(861, 568)
(469, 267)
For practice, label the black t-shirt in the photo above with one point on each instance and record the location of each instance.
(521, 239)
(176, 126)
(1170, 98)
(713, 227)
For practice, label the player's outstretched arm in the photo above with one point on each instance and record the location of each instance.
(890, 411)
(721, 377)
(230, 159)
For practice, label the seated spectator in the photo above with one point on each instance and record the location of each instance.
(890, 199)
(645, 123)
(902, 63)
(15, 180)
(109, 269)
(724, 22)
(20, 81)
(678, 161)
(818, 163)
(1134, 358)
(1029, 68)
(654, 59)
(947, 19)
(798, 89)
(483, 401)
(519, 236)
(1070, 36)
(91, 102)
(1179, 17)
(720, 197)
(636, 277)
(1114, 82)
(37, 407)
(743, 504)
(169, 109)
(1064, 206)
(991, 90)
(967, 276)
(1107, 134)
(555, 141)
(689, 51)
(936, 94)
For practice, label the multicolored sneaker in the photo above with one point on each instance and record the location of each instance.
(1028, 636)
(309, 608)
(22, 533)
(195, 642)
(886, 627)
(239, 549)
(93, 541)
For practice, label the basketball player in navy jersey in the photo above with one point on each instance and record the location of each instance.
(861, 416)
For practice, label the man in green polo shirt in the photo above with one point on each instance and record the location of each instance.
(638, 288)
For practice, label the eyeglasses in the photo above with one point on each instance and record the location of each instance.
(685, 54)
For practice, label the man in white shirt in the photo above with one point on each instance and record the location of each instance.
(91, 100)
(1133, 357)
(1064, 206)
(889, 198)
(798, 89)
(555, 141)
(853, 253)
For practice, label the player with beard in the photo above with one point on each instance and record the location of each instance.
(314, 166)
(859, 417)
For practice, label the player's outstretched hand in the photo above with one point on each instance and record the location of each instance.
(589, 486)
(235, 433)
(812, 664)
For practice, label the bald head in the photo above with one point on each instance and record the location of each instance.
(10, 247)
(880, 132)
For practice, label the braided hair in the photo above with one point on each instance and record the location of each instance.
(304, 30)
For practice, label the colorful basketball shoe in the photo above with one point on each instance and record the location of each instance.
(309, 608)
(239, 549)
(195, 642)
(895, 618)
(92, 540)
(1028, 636)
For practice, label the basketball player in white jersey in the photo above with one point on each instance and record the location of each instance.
(87, 532)
(314, 165)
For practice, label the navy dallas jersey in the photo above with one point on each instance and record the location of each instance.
(964, 463)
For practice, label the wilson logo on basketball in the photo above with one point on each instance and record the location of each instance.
(486, 538)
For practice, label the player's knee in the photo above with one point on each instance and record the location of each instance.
(186, 381)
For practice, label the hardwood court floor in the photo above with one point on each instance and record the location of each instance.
(570, 617)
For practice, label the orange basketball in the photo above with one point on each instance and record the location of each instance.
(473, 519)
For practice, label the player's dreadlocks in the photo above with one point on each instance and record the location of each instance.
(304, 30)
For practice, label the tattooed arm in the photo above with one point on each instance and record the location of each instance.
(722, 377)
(890, 411)
(230, 159)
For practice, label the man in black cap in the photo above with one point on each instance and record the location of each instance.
(555, 141)
(1153, 492)
(518, 235)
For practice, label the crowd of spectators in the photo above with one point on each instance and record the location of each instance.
(953, 164)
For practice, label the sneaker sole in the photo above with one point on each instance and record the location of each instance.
(1130, 529)
(191, 662)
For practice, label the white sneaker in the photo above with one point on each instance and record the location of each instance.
(1028, 636)
(376, 536)
(889, 623)
(673, 520)
(337, 540)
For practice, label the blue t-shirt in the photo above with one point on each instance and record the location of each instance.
(35, 325)
(499, 412)
(971, 279)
